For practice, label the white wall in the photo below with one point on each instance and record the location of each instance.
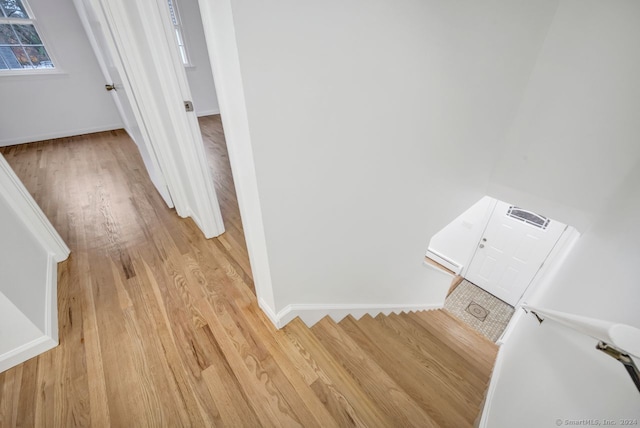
(15, 328)
(29, 251)
(203, 90)
(358, 113)
(23, 266)
(575, 136)
(38, 107)
(458, 240)
(577, 127)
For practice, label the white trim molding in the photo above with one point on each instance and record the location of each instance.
(312, 313)
(60, 134)
(269, 312)
(450, 264)
(49, 338)
(51, 301)
(26, 352)
(18, 197)
(210, 112)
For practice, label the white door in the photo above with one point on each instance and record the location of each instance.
(112, 69)
(513, 247)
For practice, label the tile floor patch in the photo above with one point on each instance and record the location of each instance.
(481, 310)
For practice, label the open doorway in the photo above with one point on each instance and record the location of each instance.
(208, 183)
(139, 40)
(233, 241)
(190, 38)
(499, 252)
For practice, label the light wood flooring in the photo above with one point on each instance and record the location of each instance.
(160, 327)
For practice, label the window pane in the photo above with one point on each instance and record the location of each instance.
(38, 56)
(528, 217)
(179, 37)
(9, 59)
(183, 54)
(21, 56)
(21, 47)
(27, 34)
(13, 9)
(7, 36)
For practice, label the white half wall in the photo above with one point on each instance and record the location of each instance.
(28, 292)
(72, 102)
(23, 266)
(30, 249)
(203, 90)
(458, 240)
(17, 329)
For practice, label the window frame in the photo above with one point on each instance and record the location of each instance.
(511, 212)
(42, 34)
(179, 33)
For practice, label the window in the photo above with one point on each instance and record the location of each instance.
(177, 29)
(20, 44)
(528, 217)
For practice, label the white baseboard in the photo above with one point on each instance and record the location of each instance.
(312, 313)
(26, 352)
(49, 339)
(268, 311)
(59, 134)
(210, 230)
(209, 112)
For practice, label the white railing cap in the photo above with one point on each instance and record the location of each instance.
(624, 337)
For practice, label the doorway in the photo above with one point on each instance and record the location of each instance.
(233, 242)
(139, 39)
(112, 68)
(498, 250)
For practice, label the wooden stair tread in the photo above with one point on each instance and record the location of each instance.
(425, 384)
(459, 336)
(418, 339)
(399, 407)
(354, 405)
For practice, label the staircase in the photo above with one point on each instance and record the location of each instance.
(412, 369)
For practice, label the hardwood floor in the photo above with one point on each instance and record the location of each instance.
(160, 327)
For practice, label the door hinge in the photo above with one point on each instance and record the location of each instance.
(188, 106)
